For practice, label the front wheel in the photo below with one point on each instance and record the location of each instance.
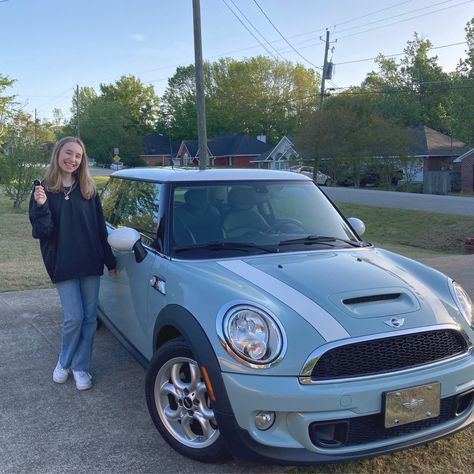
(180, 406)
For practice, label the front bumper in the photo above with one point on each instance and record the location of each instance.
(299, 407)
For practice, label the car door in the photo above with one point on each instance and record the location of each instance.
(123, 298)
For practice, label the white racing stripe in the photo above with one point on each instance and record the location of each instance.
(318, 317)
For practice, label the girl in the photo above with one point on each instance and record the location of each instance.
(66, 215)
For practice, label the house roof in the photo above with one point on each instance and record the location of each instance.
(237, 144)
(233, 144)
(424, 141)
(159, 144)
(459, 159)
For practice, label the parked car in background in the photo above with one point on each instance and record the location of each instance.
(118, 165)
(321, 178)
(269, 330)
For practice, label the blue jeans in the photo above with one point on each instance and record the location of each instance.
(79, 302)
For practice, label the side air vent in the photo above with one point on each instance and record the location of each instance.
(371, 298)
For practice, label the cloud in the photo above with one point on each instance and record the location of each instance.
(137, 36)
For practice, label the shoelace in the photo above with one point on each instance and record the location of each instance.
(81, 373)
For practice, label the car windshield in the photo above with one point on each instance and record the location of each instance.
(238, 218)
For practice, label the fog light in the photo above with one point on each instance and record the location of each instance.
(264, 420)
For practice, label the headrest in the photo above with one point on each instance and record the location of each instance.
(196, 198)
(242, 197)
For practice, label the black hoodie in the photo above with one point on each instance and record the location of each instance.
(73, 235)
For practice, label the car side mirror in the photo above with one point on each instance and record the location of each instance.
(127, 239)
(357, 225)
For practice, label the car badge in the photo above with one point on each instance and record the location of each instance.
(395, 322)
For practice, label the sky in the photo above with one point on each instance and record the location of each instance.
(50, 46)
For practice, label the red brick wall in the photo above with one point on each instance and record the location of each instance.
(467, 174)
(156, 160)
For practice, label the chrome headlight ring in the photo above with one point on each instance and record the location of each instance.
(463, 301)
(251, 334)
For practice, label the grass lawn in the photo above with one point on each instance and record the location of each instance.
(412, 233)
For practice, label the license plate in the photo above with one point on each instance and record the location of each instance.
(412, 404)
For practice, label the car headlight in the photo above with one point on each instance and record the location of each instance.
(252, 335)
(463, 302)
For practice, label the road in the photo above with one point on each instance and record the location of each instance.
(458, 205)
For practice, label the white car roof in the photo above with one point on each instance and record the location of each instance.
(168, 174)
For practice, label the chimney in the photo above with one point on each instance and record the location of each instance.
(262, 138)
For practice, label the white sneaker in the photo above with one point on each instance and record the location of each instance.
(83, 379)
(60, 375)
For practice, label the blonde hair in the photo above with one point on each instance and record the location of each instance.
(53, 178)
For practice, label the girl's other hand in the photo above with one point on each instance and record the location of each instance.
(39, 195)
(112, 272)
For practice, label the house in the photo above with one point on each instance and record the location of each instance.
(465, 163)
(159, 149)
(282, 156)
(436, 150)
(236, 150)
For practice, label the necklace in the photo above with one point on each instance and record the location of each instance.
(69, 191)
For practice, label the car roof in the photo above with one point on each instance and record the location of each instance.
(168, 174)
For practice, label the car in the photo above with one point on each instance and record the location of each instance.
(118, 165)
(269, 330)
(321, 178)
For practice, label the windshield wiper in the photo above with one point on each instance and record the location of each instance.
(244, 246)
(319, 239)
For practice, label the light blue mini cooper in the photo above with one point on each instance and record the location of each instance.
(269, 330)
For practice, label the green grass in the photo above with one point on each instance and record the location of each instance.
(416, 234)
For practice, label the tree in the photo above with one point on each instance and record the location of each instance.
(413, 91)
(119, 117)
(348, 137)
(22, 159)
(259, 96)
(462, 97)
(6, 105)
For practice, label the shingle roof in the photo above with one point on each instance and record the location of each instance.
(237, 144)
(159, 144)
(424, 141)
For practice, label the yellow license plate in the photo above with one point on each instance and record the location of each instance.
(412, 404)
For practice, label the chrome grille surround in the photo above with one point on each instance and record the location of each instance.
(305, 376)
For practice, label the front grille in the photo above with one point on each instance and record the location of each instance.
(389, 354)
(370, 429)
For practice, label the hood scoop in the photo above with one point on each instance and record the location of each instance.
(376, 302)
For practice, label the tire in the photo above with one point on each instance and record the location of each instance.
(179, 404)
(327, 182)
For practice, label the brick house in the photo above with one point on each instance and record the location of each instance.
(159, 149)
(466, 165)
(236, 150)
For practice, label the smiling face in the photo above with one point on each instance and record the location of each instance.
(70, 157)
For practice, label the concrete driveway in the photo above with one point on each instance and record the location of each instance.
(50, 428)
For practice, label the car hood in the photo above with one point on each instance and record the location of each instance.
(346, 293)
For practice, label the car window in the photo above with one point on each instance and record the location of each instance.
(259, 216)
(133, 204)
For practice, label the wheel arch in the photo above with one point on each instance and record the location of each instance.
(175, 321)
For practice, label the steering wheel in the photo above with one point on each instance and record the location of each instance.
(287, 226)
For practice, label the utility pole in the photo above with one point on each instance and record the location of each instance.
(323, 77)
(200, 102)
(78, 126)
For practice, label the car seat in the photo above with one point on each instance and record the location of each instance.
(243, 216)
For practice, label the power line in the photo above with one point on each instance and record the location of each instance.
(246, 27)
(406, 19)
(396, 16)
(397, 54)
(286, 41)
(256, 29)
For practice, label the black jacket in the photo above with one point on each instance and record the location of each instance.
(73, 235)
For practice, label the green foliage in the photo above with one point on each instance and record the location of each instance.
(20, 164)
(119, 117)
(6, 105)
(257, 96)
